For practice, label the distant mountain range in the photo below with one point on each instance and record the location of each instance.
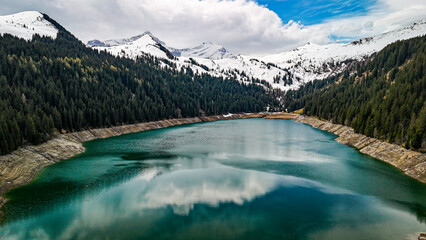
(144, 42)
(286, 70)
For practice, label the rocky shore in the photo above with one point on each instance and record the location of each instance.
(410, 162)
(21, 166)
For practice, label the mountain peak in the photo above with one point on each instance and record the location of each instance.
(26, 24)
(148, 33)
(207, 50)
(310, 45)
(118, 42)
(145, 43)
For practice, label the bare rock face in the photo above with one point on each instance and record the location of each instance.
(410, 162)
(21, 165)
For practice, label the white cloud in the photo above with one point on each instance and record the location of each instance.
(242, 26)
(386, 16)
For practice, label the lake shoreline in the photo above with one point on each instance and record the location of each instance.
(21, 166)
(411, 163)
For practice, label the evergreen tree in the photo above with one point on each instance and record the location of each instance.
(49, 86)
(384, 98)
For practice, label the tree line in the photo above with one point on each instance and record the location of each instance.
(55, 86)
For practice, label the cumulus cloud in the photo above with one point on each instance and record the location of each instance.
(242, 26)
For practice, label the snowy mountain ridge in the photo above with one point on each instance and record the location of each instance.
(133, 47)
(26, 24)
(286, 70)
(117, 42)
(206, 50)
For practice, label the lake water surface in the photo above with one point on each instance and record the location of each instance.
(237, 179)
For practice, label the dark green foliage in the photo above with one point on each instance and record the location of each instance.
(49, 85)
(385, 98)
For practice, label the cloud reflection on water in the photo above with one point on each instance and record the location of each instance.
(221, 187)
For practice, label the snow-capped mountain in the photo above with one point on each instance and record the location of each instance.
(206, 50)
(118, 42)
(26, 24)
(286, 70)
(313, 61)
(133, 47)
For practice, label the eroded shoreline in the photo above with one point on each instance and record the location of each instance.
(412, 163)
(21, 166)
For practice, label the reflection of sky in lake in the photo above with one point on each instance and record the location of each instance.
(237, 183)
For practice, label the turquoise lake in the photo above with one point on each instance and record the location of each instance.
(236, 179)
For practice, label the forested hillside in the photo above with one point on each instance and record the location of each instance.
(384, 98)
(49, 86)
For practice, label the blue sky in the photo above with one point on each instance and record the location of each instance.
(310, 12)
